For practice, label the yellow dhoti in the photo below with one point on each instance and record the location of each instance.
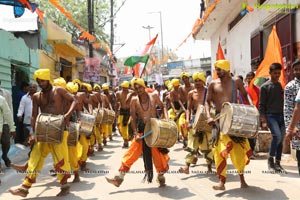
(239, 154)
(38, 155)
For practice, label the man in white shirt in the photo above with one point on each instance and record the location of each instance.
(6, 116)
(25, 108)
(5, 129)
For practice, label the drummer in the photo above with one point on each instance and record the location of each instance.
(122, 108)
(142, 108)
(177, 107)
(112, 101)
(224, 89)
(84, 140)
(49, 100)
(197, 139)
(106, 128)
(97, 129)
(183, 94)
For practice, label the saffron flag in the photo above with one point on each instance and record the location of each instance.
(149, 45)
(273, 54)
(219, 56)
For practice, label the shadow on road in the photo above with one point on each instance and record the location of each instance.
(253, 193)
(172, 192)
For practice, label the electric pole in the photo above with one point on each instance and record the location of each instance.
(91, 24)
(111, 25)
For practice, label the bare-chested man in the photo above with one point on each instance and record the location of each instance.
(197, 139)
(49, 100)
(142, 108)
(177, 108)
(85, 105)
(122, 108)
(224, 89)
(108, 102)
(183, 94)
(97, 136)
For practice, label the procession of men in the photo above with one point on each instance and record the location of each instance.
(73, 121)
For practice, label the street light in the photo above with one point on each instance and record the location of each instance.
(161, 31)
(148, 27)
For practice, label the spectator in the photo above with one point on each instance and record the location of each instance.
(25, 108)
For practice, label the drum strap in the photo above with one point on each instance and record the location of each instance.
(204, 97)
(233, 92)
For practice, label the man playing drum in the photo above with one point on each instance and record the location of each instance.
(49, 100)
(122, 108)
(142, 109)
(106, 128)
(224, 89)
(177, 108)
(112, 100)
(200, 136)
(97, 136)
(183, 94)
(85, 105)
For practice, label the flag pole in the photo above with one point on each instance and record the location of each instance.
(148, 58)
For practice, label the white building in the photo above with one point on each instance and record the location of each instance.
(243, 38)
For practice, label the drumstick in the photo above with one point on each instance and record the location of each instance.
(146, 134)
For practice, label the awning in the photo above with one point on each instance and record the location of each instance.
(67, 47)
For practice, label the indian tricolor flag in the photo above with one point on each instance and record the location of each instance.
(134, 61)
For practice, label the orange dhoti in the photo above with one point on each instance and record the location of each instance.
(160, 160)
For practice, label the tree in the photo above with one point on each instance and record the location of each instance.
(78, 10)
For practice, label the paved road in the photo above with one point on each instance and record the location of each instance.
(196, 185)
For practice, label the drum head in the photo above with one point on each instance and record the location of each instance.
(226, 117)
(200, 110)
(152, 125)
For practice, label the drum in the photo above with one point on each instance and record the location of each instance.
(164, 133)
(200, 120)
(263, 141)
(73, 133)
(98, 113)
(239, 120)
(87, 122)
(108, 116)
(49, 128)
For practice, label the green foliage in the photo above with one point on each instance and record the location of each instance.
(78, 11)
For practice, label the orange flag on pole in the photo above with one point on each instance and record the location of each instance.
(273, 54)
(219, 56)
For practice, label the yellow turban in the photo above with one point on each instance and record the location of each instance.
(105, 86)
(60, 82)
(72, 87)
(184, 74)
(140, 82)
(223, 64)
(43, 74)
(97, 86)
(77, 81)
(199, 75)
(170, 86)
(167, 82)
(132, 81)
(175, 82)
(125, 84)
(88, 86)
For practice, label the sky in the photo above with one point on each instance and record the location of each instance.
(178, 18)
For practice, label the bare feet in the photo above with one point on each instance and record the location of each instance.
(184, 170)
(244, 185)
(116, 181)
(19, 192)
(195, 159)
(220, 186)
(76, 178)
(64, 190)
(19, 168)
(161, 180)
(243, 182)
(209, 169)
